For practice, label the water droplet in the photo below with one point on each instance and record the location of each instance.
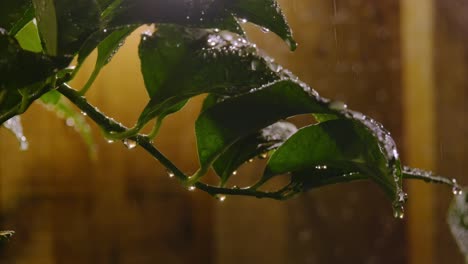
(191, 188)
(234, 173)
(221, 198)
(110, 141)
(402, 197)
(456, 190)
(170, 173)
(321, 167)
(130, 144)
(188, 17)
(338, 105)
(398, 212)
(263, 155)
(265, 30)
(104, 30)
(250, 160)
(70, 122)
(24, 144)
(254, 65)
(243, 20)
(84, 113)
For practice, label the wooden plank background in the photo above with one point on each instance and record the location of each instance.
(122, 208)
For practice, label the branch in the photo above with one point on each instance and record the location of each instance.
(108, 124)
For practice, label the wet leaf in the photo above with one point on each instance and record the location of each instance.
(229, 121)
(20, 68)
(28, 37)
(64, 25)
(266, 14)
(179, 63)
(331, 151)
(107, 48)
(198, 14)
(250, 147)
(15, 14)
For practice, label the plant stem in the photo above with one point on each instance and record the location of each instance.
(108, 124)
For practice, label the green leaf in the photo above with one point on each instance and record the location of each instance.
(251, 146)
(179, 63)
(25, 76)
(12, 13)
(55, 102)
(64, 25)
(20, 68)
(199, 14)
(28, 37)
(331, 151)
(458, 221)
(266, 14)
(227, 122)
(106, 50)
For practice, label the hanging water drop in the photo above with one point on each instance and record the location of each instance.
(130, 144)
(399, 212)
(70, 122)
(170, 173)
(221, 198)
(24, 144)
(456, 189)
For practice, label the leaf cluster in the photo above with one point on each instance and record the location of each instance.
(198, 47)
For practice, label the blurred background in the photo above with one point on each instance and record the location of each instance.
(404, 63)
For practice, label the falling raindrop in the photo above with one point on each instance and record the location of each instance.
(130, 144)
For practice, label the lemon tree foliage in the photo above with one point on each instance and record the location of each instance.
(197, 47)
